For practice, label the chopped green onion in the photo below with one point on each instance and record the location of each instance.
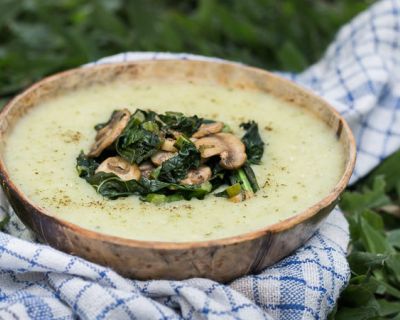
(233, 190)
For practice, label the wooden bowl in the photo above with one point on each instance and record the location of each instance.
(221, 259)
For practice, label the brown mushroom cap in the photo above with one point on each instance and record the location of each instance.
(160, 156)
(197, 176)
(120, 167)
(107, 135)
(208, 128)
(229, 147)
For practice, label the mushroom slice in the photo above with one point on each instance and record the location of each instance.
(160, 156)
(175, 133)
(208, 128)
(210, 146)
(229, 147)
(146, 168)
(197, 176)
(107, 135)
(121, 168)
(168, 145)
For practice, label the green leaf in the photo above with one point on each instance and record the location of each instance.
(394, 238)
(387, 308)
(85, 166)
(390, 170)
(368, 199)
(374, 219)
(253, 142)
(389, 289)
(359, 313)
(177, 121)
(373, 240)
(357, 295)
(358, 299)
(177, 167)
(393, 264)
(112, 187)
(362, 262)
(137, 144)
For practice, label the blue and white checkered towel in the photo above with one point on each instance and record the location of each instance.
(360, 75)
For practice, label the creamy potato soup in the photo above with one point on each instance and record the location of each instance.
(301, 164)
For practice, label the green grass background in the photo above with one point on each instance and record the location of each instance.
(40, 37)
(44, 36)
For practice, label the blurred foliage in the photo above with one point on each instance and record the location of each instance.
(39, 37)
(373, 212)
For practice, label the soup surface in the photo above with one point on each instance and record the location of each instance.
(302, 161)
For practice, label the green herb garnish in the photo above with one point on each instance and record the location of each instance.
(170, 157)
(253, 142)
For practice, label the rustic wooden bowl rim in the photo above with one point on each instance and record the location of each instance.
(273, 228)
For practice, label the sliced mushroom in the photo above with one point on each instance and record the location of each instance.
(107, 135)
(197, 176)
(120, 167)
(208, 128)
(175, 133)
(146, 168)
(229, 147)
(160, 156)
(168, 145)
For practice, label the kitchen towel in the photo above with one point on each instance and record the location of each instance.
(360, 75)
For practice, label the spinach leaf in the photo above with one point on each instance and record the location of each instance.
(146, 115)
(154, 186)
(144, 135)
(108, 185)
(177, 121)
(85, 166)
(177, 167)
(139, 140)
(253, 142)
(111, 186)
